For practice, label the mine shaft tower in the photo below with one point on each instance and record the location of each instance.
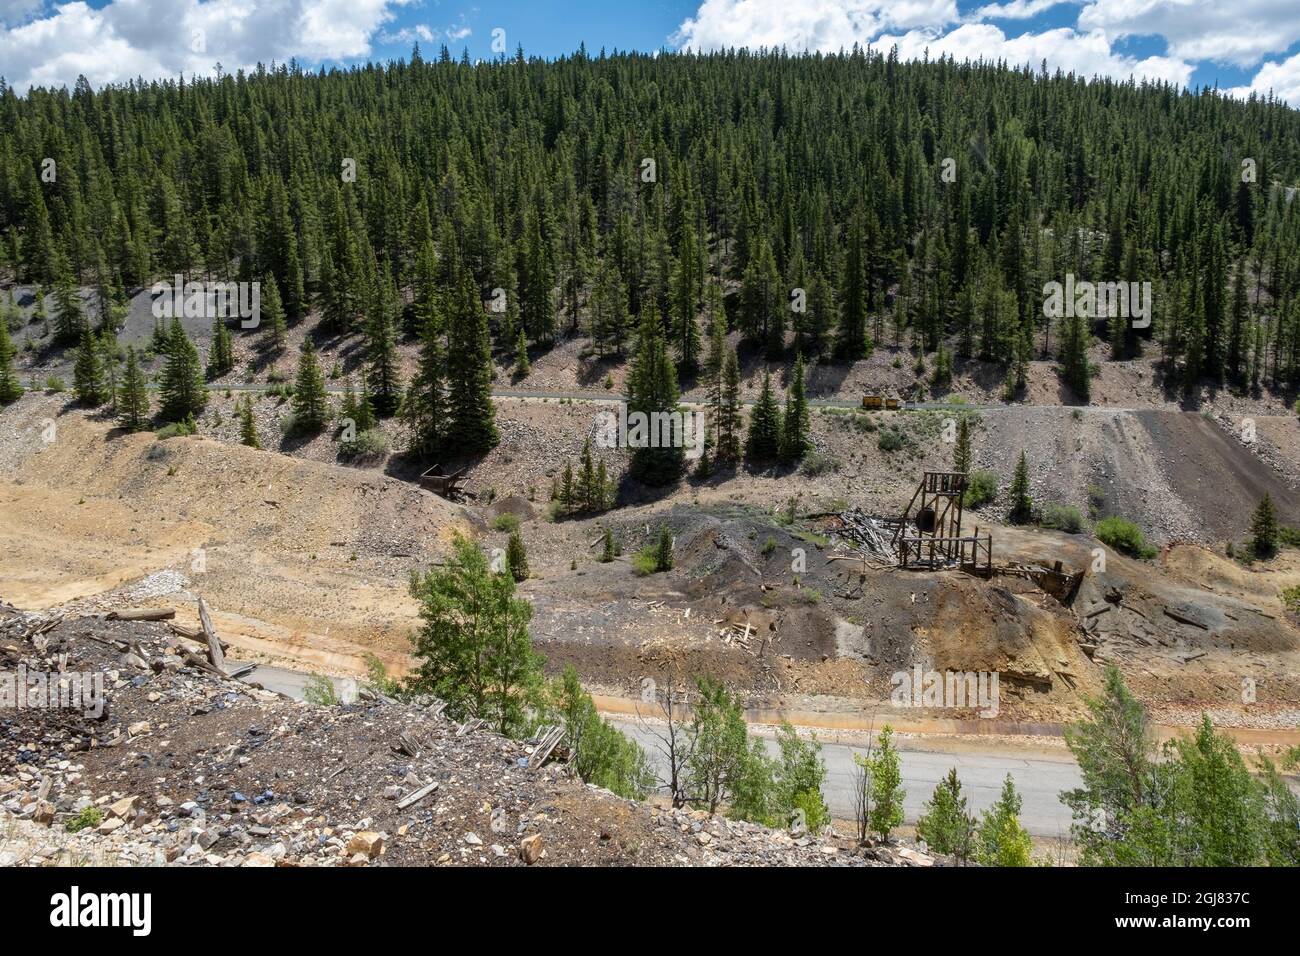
(929, 533)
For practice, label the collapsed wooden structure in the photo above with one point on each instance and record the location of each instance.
(929, 532)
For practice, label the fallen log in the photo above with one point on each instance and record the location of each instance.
(411, 799)
(215, 653)
(142, 614)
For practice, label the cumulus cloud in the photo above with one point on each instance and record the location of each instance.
(1282, 79)
(1241, 32)
(163, 38)
(918, 27)
(824, 25)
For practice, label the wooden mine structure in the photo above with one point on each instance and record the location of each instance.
(441, 483)
(929, 533)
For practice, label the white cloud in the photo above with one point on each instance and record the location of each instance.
(420, 32)
(1086, 54)
(917, 27)
(1241, 32)
(163, 38)
(1283, 79)
(1015, 9)
(825, 25)
(13, 12)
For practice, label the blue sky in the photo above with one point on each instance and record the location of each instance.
(1243, 46)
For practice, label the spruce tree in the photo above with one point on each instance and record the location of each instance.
(133, 405)
(1263, 528)
(88, 371)
(183, 390)
(729, 412)
(1022, 506)
(221, 359)
(607, 551)
(247, 427)
(961, 450)
(424, 408)
(471, 427)
(382, 368)
(273, 317)
(795, 441)
(310, 402)
(763, 442)
(10, 389)
(947, 825)
(652, 390)
(522, 368)
(517, 557)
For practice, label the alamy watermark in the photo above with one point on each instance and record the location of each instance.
(1096, 300)
(946, 689)
(208, 300)
(22, 689)
(624, 429)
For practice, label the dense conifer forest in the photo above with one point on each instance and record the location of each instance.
(820, 205)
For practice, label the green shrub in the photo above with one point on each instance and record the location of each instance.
(55, 384)
(88, 817)
(176, 429)
(1124, 536)
(505, 522)
(320, 690)
(1288, 537)
(370, 445)
(1065, 518)
(890, 441)
(1291, 598)
(981, 488)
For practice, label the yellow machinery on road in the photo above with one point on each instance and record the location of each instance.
(877, 402)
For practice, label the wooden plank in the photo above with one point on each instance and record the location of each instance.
(215, 655)
(142, 614)
(411, 799)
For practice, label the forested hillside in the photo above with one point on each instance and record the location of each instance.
(819, 205)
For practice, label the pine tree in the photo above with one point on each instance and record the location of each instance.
(69, 316)
(652, 390)
(1022, 506)
(1074, 358)
(961, 450)
(133, 406)
(107, 343)
(10, 389)
(946, 825)
(1001, 840)
(663, 552)
(517, 557)
(382, 370)
(222, 357)
(729, 413)
(763, 441)
(795, 425)
(853, 342)
(247, 427)
(607, 549)
(183, 390)
(88, 373)
(522, 368)
(310, 402)
(471, 426)
(424, 408)
(273, 316)
(1263, 528)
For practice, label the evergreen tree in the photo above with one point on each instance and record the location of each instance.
(517, 557)
(310, 401)
(795, 441)
(471, 426)
(652, 391)
(383, 374)
(222, 357)
(607, 549)
(424, 408)
(183, 390)
(961, 450)
(1022, 506)
(88, 371)
(1263, 528)
(273, 316)
(763, 442)
(133, 404)
(729, 412)
(247, 427)
(473, 649)
(1001, 840)
(946, 825)
(522, 368)
(10, 390)
(664, 550)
